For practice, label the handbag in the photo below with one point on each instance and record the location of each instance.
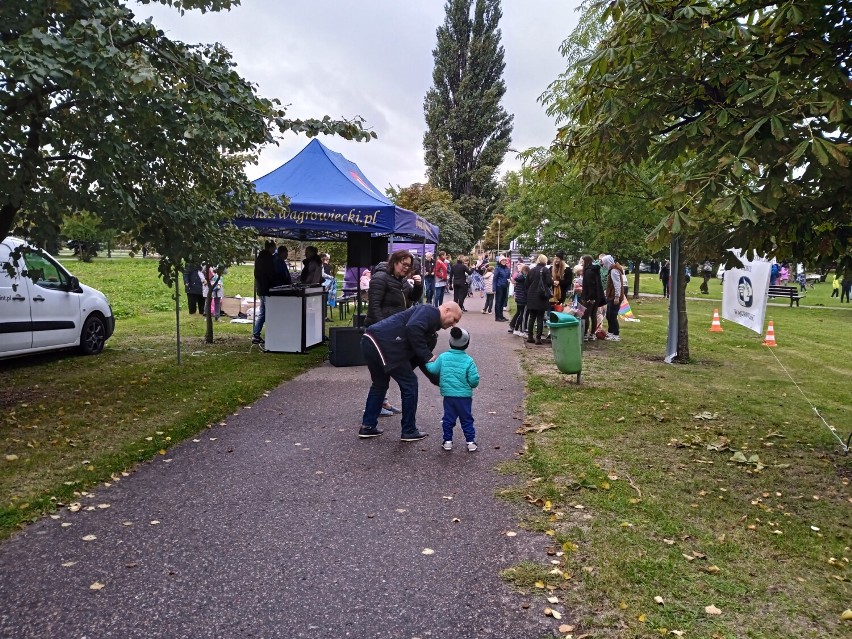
(543, 289)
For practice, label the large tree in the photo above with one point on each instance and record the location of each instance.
(468, 130)
(102, 112)
(743, 106)
(436, 206)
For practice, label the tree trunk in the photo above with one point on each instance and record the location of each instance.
(208, 305)
(177, 280)
(682, 320)
(636, 273)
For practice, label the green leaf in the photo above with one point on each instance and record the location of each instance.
(820, 151)
(754, 129)
(777, 127)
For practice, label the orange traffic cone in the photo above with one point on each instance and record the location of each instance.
(770, 336)
(716, 326)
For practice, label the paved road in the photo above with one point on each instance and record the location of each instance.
(283, 524)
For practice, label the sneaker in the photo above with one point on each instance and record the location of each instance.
(447, 445)
(512, 330)
(472, 447)
(386, 413)
(612, 338)
(414, 436)
(393, 409)
(520, 334)
(257, 340)
(369, 431)
(484, 312)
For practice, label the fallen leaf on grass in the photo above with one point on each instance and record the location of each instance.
(706, 415)
(65, 524)
(511, 533)
(642, 618)
(534, 429)
(539, 584)
(846, 615)
(712, 569)
(712, 610)
(659, 600)
(89, 538)
(102, 506)
(96, 586)
(11, 457)
(553, 600)
(427, 551)
(566, 628)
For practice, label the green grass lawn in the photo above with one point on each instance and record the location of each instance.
(819, 295)
(708, 484)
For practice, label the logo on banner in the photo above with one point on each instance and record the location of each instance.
(745, 292)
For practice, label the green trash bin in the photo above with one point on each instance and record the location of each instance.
(567, 338)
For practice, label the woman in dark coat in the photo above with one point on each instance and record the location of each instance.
(537, 304)
(458, 276)
(390, 291)
(592, 296)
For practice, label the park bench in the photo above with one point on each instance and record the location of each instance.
(787, 291)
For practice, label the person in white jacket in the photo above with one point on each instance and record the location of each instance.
(488, 283)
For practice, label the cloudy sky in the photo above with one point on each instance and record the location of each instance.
(330, 57)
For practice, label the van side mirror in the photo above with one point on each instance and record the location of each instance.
(74, 284)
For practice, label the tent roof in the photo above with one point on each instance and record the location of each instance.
(329, 197)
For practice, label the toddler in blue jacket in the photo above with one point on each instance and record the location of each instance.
(458, 377)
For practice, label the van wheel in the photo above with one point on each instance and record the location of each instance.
(93, 337)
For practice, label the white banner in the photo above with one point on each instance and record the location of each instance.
(744, 293)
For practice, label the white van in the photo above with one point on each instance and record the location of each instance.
(43, 307)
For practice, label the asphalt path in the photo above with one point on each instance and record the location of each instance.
(280, 522)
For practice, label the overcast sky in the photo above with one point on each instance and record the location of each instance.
(330, 57)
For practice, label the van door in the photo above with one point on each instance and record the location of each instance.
(16, 331)
(54, 309)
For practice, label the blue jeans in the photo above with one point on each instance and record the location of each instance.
(501, 296)
(406, 379)
(261, 317)
(460, 408)
(429, 287)
(439, 295)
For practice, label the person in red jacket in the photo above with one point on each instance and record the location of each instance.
(441, 272)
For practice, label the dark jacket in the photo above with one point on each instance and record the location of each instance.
(312, 270)
(501, 276)
(429, 268)
(535, 301)
(664, 273)
(282, 272)
(593, 293)
(459, 273)
(264, 272)
(521, 289)
(407, 338)
(389, 295)
(192, 280)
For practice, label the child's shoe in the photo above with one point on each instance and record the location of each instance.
(447, 445)
(471, 447)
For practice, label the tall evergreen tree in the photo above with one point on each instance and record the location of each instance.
(468, 130)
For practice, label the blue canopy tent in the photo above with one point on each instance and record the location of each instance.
(329, 198)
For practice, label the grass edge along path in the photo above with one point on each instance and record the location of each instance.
(703, 500)
(108, 413)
